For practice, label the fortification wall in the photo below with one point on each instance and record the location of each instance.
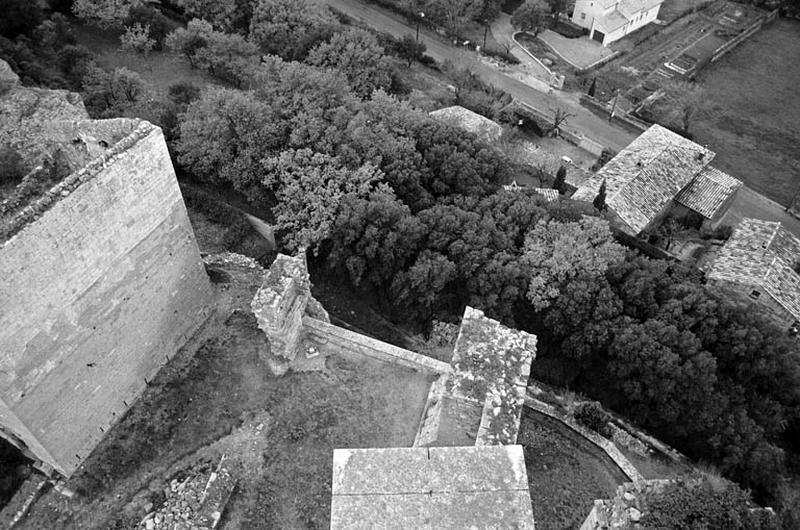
(97, 293)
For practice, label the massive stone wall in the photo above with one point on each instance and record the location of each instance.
(98, 291)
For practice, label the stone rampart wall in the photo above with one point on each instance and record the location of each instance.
(100, 288)
(374, 348)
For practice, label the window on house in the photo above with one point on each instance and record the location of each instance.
(754, 294)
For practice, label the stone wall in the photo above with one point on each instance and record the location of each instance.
(480, 402)
(99, 290)
(280, 303)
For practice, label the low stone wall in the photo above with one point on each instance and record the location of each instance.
(432, 414)
(744, 35)
(373, 347)
(606, 445)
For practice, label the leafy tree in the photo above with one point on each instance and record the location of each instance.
(290, 28)
(110, 94)
(557, 7)
(20, 17)
(222, 14)
(561, 180)
(160, 25)
(410, 49)
(229, 57)
(187, 41)
(556, 253)
(357, 54)
(310, 188)
(137, 38)
(225, 134)
(530, 16)
(454, 14)
(417, 289)
(374, 237)
(599, 201)
(104, 13)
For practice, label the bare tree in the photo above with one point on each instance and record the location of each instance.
(678, 104)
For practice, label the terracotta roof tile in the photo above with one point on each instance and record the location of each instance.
(762, 254)
(708, 192)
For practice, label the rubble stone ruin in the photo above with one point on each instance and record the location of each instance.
(102, 280)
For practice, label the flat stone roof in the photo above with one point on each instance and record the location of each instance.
(431, 487)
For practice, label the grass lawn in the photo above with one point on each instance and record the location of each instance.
(752, 122)
(566, 472)
(159, 69)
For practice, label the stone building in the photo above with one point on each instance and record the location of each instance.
(102, 280)
(761, 260)
(610, 20)
(661, 173)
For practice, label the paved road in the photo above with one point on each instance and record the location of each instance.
(583, 121)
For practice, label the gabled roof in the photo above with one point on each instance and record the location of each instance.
(762, 254)
(481, 126)
(647, 175)
(708, 192)
(431, 487)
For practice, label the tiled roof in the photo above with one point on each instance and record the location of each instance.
(709, 190)
(549, 194)
(481, 126)
(611, 21)
(631, 8)
(762, 254)
(431, 487)
(646, 176)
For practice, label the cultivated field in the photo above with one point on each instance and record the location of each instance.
(754, 111)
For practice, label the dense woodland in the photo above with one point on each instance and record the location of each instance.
(308, 119)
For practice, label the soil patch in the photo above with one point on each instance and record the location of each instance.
(216, 397)
(566, 472)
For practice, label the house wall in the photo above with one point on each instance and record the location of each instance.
(637, 22)
(97, 294)
(773, 309)
(585, 12)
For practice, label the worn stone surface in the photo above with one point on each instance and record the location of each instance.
(101, 287)
(8, 78)
(437, 487)
(280, 303)
(482, 398)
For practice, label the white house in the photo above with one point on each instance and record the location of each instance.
(610, 20)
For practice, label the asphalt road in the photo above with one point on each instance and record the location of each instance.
(583, 121)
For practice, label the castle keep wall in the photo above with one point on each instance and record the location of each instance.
(97, 293)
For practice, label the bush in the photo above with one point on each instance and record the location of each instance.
(605, 155)
(12, 168)
(703, 504)
(593, 416)
(183, 93)
(721, 232)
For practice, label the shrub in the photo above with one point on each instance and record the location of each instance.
(721, 232)
(702, 504)
(592, 415)
(183, 93)
(605, 155)
(12, 168)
